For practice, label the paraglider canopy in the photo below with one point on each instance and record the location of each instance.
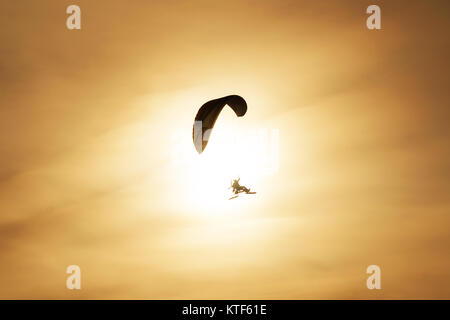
(207, 115)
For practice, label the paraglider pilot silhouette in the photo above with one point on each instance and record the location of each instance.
(204, 122)
(237, 188)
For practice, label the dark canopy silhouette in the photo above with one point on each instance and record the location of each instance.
(207, 115)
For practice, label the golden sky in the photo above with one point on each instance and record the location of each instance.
(87, 124)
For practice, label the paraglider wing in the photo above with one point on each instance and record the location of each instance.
(207, 115)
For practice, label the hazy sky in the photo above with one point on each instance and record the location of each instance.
(87, 119)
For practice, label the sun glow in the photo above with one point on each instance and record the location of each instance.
(232, 152)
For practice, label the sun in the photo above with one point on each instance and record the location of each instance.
(210, 174)
(234, 151)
